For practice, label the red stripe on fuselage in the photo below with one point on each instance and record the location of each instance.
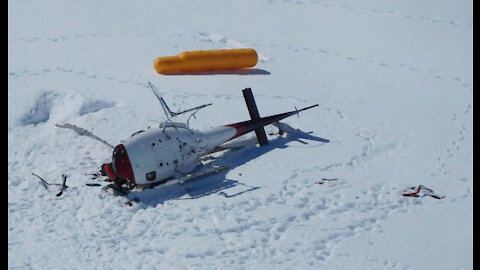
(240, 128)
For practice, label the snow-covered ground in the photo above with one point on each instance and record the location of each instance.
(394, 80)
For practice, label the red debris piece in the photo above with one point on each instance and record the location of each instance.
(422, 191)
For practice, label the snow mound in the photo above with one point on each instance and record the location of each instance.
(40, 112)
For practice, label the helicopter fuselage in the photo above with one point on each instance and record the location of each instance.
(159, 153)
(151, 156)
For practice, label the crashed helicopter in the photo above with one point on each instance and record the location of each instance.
(172, 150)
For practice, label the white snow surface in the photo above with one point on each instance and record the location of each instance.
(394, 80)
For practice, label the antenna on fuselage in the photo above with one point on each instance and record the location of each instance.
(165, 108)
(168, 113)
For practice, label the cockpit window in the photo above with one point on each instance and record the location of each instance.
(117, 152)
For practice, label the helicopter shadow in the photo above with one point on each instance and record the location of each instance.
(243, 71)
(220, 184)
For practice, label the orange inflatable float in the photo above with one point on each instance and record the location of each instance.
(197, 61)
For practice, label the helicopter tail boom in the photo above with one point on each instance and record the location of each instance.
(245, 127)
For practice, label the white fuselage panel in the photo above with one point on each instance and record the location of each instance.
(162, 152)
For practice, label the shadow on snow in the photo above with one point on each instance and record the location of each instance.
(243, 71)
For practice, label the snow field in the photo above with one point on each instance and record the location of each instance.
(395, 86)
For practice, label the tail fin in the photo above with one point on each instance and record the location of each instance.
(254, 115)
